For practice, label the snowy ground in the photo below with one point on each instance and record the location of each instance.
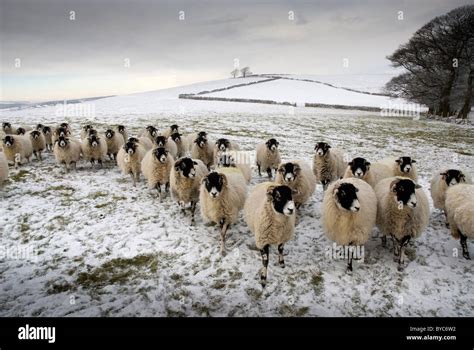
(97, 246)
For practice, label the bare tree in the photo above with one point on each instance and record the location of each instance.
(235, 72)
(245, 71)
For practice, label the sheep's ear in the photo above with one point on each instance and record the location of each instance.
(413, 161)
(281, 169)
(417, 186)
(203, 180)
(315, 147)
(393, 185)
(443, 174)
(367, 163)
(398, 161)
(350, 163)
(224, 180)
(297, 168)
(195, 163)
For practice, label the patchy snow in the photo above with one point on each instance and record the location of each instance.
(296, 91)
(88, 243)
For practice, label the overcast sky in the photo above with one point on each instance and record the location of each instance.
(62, 58)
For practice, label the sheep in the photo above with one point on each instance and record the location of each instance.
(38, 143)
(402, 212)
(67, 151)
(46, 130)
(202, 150)
(180, 144)
(3, 167)
(328, 164)
(94, 148)
(171, 130)
(223, 145)
(156, 167)
(85, 131)
(402, 166)
(269, 212)
(151, 132)
(268, 157)
(114, 141)
(371, 173)
(185, 179)
(222, 196)
(60, 131)
(21, 131)
(168, 144)
(192, 137)
(441, 181)
(297, 175)
(17, 148)
(349, 213)
(123, 131)
(8, 129)
(228, 159)
(460, 209)
(129, 159)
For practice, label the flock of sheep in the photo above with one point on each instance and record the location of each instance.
(358, 195)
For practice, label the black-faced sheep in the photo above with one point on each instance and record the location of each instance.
(402, 212)
(362, 169)
(222, 196)
(67, 151)
(402, 166)
(47, 133)
(94, 148)
(85, 131)
(297, 175)
(180, 144)
(268, 157)
(328, 164)
(150, 132)
(171, 130)
(202, 150)
(349, 212)
(224, 145)
(123, 131)
(114, 142)
(129, 159)
(270, 214)
(168, 144)
(460, 210)
(17, 148)
(185, 179)
(37, 142)
(156, 167)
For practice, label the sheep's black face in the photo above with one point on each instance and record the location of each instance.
(121, 129)
(64, 125)
(405, 164)
(133, 140)
(272, 144)
(174, 128)
(8, 141)
(6, 126)
(289, 171)
(46, 130)
(87, 127)
(62, 141)
(39, 127)
(152, 130)
(214, 183)
(109, 133)
(61, 131)
(35, 134)
(20, 131)
(223, 144)
(453, 177)
(161, 154)
(186, 167)
(201, 141)
(93, 140)
(161, 141)
(176, 137)
(322, 148)
(404, 190)
(130, 147)
(282, 200)
(346, 196)
(202, 134)
(359, 167)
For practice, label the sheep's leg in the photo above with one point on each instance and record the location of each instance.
(100, 163)
(384, 241)
(259, 170)
(193, 209)
(269, 173)
(446, 216)
(465, 251)
(167, 187)
(66, 167)
(35, 154)
(281, 259)
(133, 179)
(263, 272)
(403, 243)
(350, 258)
(74, 165)
(395, 242)
(40, 156)
(224, 227)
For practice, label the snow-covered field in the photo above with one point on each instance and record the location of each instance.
(97, 246)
